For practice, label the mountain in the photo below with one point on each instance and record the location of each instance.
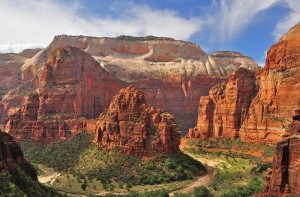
(72, 85)
(255, 107)
(173, 74)
(231, 61)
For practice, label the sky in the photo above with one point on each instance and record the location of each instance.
(246, 26)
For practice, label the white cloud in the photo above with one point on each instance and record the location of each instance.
(236, 15)
(289, 21)
(38, 21)
(14, 47)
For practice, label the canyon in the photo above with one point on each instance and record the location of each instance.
(173, 74)
(255, 106)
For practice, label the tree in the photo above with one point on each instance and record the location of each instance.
(84, 185)
(202, 191)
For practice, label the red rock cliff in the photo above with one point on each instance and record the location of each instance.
(72, 85)
(222, 112)
(131, 125)
(284, 179)
(278, 95)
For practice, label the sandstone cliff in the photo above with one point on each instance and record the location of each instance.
(131, 125)
(173, 74)
(278, 95)
(284, 180)
(255, 108)
(132, 58)
(231, 61)
(11, 92)
(71, 86)
(221, 113)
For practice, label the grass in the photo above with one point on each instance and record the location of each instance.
(18, 183)
(81, 161)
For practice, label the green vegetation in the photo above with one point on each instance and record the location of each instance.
(201, 191)
(92, 169)
(61, 155)
(237, 144)
(18, 183)
(255, 186)
(238, 173)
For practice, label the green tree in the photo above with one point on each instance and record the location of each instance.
(202, 191)
(84, 185)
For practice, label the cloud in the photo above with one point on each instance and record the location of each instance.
(290, 20)
(235, 15)
(14, 47)
(38, 21)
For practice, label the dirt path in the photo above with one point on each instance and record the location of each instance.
(49, 178)
(202, 181)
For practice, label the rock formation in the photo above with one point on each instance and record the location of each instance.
(221, 113)
(284, 180)
(10, 65)
(173, 74)
(131, 125)
(72, 86)
(231, 61)
(134, 58)
(278, 95)
(255, 108)
(11, 93)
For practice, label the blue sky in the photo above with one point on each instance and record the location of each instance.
(247, 26)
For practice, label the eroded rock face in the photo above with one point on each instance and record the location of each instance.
(222, 112)
(181, 99)
(284, 180)
(11, 92)
(231, 61)
(72, 85)
(278, 96)
(11, 157)
(71, 82)
(131, 125)
(134, 58)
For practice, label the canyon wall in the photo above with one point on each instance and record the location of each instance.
(271, 110)
(221, 113)
(173, 75)
(72, 87)
(284, 179)
(255, 107)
